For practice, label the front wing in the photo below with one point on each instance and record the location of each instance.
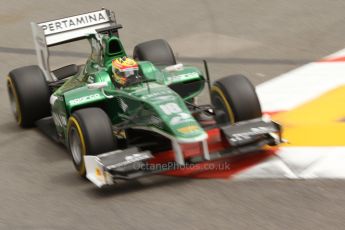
(224, 141)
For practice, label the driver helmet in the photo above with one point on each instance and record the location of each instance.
(125, 71)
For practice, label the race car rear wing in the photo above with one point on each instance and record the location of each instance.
(65, 30)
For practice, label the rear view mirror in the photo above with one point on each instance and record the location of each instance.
(172, 68)
(97, 85)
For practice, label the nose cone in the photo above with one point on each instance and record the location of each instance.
(185, 128)
(180, 123)
(174, 114)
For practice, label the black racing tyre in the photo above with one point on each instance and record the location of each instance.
(29, 95)
(234, 99)
(157, 51)
(89, 133)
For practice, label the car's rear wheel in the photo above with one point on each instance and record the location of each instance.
(29, 95)
(157, 51)
(234, 99)
(89, 133)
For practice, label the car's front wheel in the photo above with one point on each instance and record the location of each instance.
(89, 133)
(234, 99)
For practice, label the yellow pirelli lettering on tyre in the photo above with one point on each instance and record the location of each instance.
(11, 87)
(73, 121)
(217, 90)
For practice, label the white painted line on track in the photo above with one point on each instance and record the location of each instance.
(300, 163)
(300, 85)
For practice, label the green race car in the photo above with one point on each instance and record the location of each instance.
(115, 114)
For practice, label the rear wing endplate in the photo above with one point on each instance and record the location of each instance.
(65, 30)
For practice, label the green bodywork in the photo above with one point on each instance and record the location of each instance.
(151, 104)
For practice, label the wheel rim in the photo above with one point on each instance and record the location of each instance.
(222, 106)
(13, 101)
(220, 109)
(75, 146)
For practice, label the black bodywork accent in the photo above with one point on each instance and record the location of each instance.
(47, 127)
(66, 71)
(186, 88)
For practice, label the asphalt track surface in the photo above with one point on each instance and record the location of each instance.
(39, 188)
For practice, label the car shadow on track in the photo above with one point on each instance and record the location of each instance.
(126, 187)
(52, 151)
